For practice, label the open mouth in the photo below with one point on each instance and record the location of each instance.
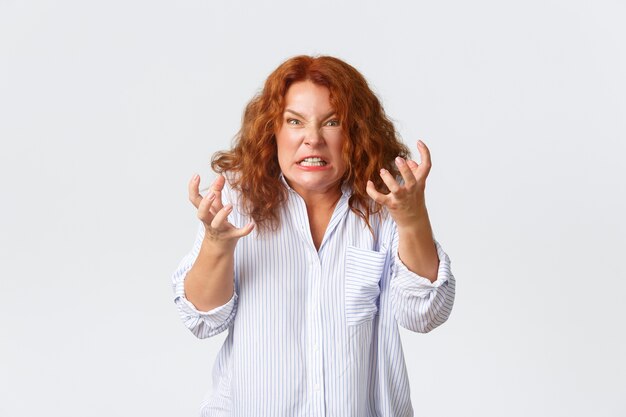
(312, 162)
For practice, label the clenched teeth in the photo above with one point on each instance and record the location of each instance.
(312, 162)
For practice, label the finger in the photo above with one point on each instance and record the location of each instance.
(242, 231)
(425, 157)
(194, 192)
(413, 165)
(204, 208)
(380, 198)
(389, 181)
(221, 216)
(406, 172)
(217, 187)
(216, 204)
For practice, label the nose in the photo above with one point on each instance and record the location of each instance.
(313, 136)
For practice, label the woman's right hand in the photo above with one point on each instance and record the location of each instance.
(213, 214)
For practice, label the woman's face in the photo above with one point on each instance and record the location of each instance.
(310, 140)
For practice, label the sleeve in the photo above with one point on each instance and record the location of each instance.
(203, 324)
(421, 305)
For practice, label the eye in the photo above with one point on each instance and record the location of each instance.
(333, 122)
(294, 122)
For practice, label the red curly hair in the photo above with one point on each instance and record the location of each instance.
(372, 142)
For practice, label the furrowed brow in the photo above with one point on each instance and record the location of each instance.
(294, 112)
(302, 117)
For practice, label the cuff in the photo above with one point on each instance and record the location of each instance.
(405, 279)
(215, 316)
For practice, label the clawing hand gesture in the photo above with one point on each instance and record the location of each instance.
(405, 202)
(214, 214)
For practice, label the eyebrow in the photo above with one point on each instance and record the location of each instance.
(301, 116)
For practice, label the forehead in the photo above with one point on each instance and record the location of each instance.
(306, 96)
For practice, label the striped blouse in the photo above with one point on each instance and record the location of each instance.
(315, 333)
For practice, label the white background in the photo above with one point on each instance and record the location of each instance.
(108, 108)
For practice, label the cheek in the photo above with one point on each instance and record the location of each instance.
(335, 142)
(338, 150)
(286, 138)
(284, 149)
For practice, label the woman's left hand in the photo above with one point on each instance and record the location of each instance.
(405, 202)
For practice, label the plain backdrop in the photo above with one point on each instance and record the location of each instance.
(108, 108)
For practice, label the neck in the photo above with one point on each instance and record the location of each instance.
(320, 200)
(325, 201)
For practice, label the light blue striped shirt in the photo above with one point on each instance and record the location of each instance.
(315, 333)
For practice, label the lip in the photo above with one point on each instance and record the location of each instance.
(322, 168)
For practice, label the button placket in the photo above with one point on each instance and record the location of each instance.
(318, 366)
(314, 331)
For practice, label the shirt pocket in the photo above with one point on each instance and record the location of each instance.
(364, 269)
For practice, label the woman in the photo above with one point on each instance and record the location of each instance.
(342, 254)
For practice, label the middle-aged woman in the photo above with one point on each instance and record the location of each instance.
(314, 245)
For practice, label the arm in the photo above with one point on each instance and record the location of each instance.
(407, 206)
(202, 323)
(204, 282)
(420, 304)
(416, 247)
(210, 282)
(422, 285)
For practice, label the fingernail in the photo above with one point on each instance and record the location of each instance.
(211, 196)
(383, 171)
(420, 142)
(195, 177)
(399, 161)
